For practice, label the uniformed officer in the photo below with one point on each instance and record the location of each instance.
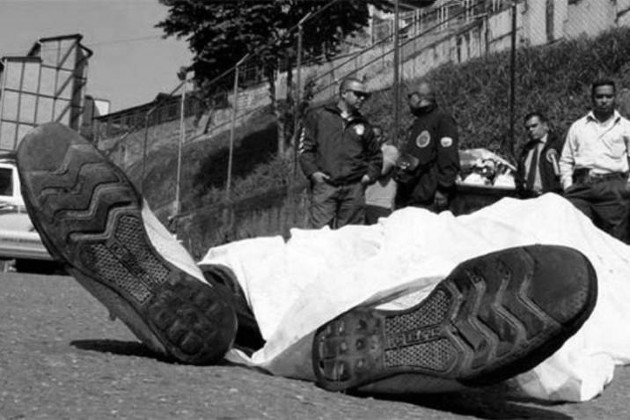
(340, 156)
(430, 154)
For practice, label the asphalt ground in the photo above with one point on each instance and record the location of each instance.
(61, 357)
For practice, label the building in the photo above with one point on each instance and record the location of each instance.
(47, 84)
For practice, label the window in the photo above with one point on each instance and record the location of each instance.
(6, 182)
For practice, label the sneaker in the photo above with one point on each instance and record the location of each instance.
(91, 218)
(493, 317)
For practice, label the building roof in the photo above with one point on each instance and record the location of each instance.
(35, 49)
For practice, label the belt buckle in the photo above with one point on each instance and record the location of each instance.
(596, 177)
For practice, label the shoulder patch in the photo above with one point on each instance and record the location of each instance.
(423, 139)
(446, 141)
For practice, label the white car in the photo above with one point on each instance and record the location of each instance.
(21, 248)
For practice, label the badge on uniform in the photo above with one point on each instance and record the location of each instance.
(359, 129)
(446, 141)
(423, 139)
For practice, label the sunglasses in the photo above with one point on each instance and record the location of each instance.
(358, 94)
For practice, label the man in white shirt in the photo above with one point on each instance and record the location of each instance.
(594, 163)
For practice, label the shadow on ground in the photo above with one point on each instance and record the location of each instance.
(491, 403)
(484, 404)
(122, 348)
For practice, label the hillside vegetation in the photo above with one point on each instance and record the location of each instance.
(554, 79)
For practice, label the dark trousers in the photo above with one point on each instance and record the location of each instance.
(337, 206)
(428, 205)
(248, 337)
(605, 203)
(373, 213)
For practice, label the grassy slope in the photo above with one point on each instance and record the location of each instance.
(554, 79)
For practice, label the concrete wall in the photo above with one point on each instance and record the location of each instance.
(589, 17)
(623, 12)
(273, 213)
(129, 149)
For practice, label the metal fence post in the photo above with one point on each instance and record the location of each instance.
(298, 86)
(182, 138)
(396, 86)
(228, 184)
(144, 151)
(512, 80)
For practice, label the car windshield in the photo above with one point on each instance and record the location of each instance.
(6, 182)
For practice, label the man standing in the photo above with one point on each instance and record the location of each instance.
(594, 163)
(431, 155)
(340, 156)
(538, 165)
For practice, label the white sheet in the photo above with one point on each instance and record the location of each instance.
(296, 286)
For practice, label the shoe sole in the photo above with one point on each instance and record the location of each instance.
(89, 217)
(492, 318)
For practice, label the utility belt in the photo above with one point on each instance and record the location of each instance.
(584, 176)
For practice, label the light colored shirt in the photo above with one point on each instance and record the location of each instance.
(601, 147)
(383, 191)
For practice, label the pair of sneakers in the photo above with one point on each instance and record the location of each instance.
(493, 317)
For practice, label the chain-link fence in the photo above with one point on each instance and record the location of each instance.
(486, 58)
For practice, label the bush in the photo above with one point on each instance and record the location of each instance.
(554, 79)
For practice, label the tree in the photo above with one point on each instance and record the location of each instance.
(220, 33)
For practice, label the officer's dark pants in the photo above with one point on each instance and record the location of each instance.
(409, 201)
(373, 213)
(337, 206)
(605, 202)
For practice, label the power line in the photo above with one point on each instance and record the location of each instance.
(94, 44)
(123, 41)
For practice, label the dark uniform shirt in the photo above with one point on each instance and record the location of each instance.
(344, 149)
(547, 166)
(433, 140)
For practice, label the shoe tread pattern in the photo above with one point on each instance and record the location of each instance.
(478, 326)
(90, 216)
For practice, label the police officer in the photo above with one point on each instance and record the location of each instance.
(340, 156)
(430, 155)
